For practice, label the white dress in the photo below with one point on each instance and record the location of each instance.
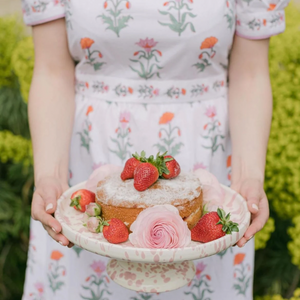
(151, 75)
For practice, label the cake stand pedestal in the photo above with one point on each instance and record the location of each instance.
(150, 277)
(143, 269)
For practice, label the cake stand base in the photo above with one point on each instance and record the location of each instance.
(150, 277)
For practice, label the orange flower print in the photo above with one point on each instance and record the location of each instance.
(239, 258)
(56, 255)
(166, 118)
(208, 277)
(264, 22)
(229, 161)
(89, 110)
(86, 43)
(271, 6)
(205, 56)
(87, 85)
(166, 3)
(208, 43)
(168, 143)
(128, 5)
(183, 91)
(130, 90)
(105, 4)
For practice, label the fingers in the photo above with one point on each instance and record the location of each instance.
(57, 236)
(257, 223)
(252, 191)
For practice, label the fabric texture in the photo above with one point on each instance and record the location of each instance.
(151, 75)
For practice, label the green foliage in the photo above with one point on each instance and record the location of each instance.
(263, 236)
(283, 159)
(294, 245)
(22, 64)
(11, 32)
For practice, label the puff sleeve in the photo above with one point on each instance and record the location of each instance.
(259, 19)
(37, 12)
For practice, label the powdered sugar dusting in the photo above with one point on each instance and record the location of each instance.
(113, 191)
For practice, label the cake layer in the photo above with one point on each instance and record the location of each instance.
(112, 191)
(190, 212)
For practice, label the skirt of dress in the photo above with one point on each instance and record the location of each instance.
(196, 134)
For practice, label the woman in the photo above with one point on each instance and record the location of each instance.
(151, 76)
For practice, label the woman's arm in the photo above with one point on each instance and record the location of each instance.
(250, 114)
(51, 111)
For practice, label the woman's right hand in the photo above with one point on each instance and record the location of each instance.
(48, 190)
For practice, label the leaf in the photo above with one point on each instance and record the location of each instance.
(200, 66)
(163, 12)
(122, 22)
(175, 149)
(98, 65)
(161, 148)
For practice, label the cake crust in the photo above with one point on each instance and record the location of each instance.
(119, 199)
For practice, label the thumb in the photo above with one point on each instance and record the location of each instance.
(252, 191)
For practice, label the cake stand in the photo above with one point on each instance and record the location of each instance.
(149, 270)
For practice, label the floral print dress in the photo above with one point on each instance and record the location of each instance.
(151, 75)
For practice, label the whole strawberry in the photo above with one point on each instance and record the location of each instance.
(173, 167)
(81, 198)
(131, 164)
(212, 226)
(145, 175)
(116, 232)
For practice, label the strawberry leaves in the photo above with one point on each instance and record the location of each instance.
(228, 226)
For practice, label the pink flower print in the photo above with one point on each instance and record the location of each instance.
(147, 44)
(199, 166)
(200, 267)
(40, 287)
(211, 111)
(56, 2)
(156, 92)
(124, 119)
(98, 267)
(238, 22)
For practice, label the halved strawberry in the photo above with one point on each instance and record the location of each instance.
(81, 198)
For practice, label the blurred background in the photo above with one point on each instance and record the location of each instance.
(277, 269)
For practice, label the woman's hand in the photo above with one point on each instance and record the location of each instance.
(48, 190)
(252, 190)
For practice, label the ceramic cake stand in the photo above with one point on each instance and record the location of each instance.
(149, 270)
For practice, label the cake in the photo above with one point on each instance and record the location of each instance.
(119, 199)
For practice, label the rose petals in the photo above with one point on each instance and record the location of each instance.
(160, 226)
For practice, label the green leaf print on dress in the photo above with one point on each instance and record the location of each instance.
(168, 135)
(241, 274)
(143, 296)
(207, 54)
(56, 271)
(147, 61)
(41, 6)
(87, 128)
(230, 18)
(115, 20)
(96, 285)
(200, 285)
(86, 43)
(178, 18)
(121, 142)
(212, 131)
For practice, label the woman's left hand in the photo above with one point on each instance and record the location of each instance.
(253, 191)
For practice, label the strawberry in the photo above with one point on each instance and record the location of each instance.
(173, 167)
(116, 231)
(145, 175)
(212, 226)
(131, 164)
(81, 198)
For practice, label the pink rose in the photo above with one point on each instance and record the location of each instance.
(99, 174)
(213, 193)
(92, 224)
(93, 209)
(160, 226)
